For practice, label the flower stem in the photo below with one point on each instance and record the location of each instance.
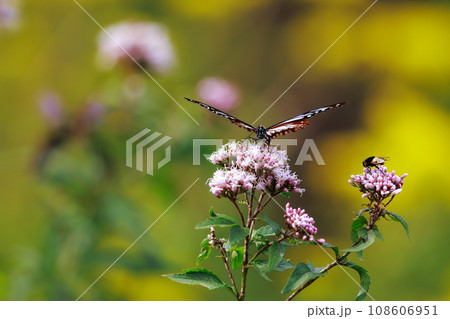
(227, 267)
(336, 262)
(233, 200)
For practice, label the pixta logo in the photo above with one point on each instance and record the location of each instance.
(141, 149)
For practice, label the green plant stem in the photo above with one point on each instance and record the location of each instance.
(227, 267)
(239, 210)
(336, 262)
(267, 245)
(250, 224)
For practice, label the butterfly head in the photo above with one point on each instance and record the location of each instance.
(261, 134)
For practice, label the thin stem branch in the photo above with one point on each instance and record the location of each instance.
(336, 262)
(267, 245)
(239, 210)
(227, 267)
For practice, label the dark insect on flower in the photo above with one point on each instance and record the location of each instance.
(374, 161)
(291, 125)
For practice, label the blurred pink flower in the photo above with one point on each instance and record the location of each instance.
(301, 224)
(218, 92)
(148, 43)
(9, 14)
(50, 106)
(377, 183)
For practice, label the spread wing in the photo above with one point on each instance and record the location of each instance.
(232, 119)
(307, 115)
(282, 129)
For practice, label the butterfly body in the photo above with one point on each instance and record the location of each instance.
(267, 134)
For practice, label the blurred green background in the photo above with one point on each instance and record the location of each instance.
(70, 206)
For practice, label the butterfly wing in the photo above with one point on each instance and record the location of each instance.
(298, 122)
(232, 119)
(282, 129)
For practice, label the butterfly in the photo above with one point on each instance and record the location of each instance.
(267, 134)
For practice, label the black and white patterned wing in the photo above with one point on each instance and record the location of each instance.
(232, 119)
(282, 129)
(307, 115)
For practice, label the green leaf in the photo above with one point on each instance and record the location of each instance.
(397, 218)
(359, 255)
(362, 211)
(237, 257)
(286, 194)
(261, 267)
(199, 276)
(361, 246)
(282, 266)
(377, 233)
(275, 227)
(219, 220)
(211, 213)
(364, 279)
(357, 224)
(335, 248)
(264, 231)
(204, 251)
(276, 253)
(301, 274)
(237, 233)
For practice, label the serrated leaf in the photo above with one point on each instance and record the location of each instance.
(301, 274)
(237, 257)
(275, 227)
(276, 253)
(362, 211)
(264, 231)
(361, 246)
(397, 218)
(199, 276)
(310, 266)
(219, 220)
(377, 233)
(259, 245)
(357, 224)
(364, 280)
(237, 233)
(282, 266)
(205, 250)
(304, 243)
(359, 255)
(261, 268)
(335, 248)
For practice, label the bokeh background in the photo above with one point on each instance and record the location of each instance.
(70, 206)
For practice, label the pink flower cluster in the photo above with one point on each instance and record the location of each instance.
(252, 166)
(148, 43)
(229, 183)
(378, 183)
(301, 224)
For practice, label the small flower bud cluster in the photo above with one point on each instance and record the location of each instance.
(212, 236)
(248, 166)
(377, 183)
(301, 224)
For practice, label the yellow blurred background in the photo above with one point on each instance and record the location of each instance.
(70, 206)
